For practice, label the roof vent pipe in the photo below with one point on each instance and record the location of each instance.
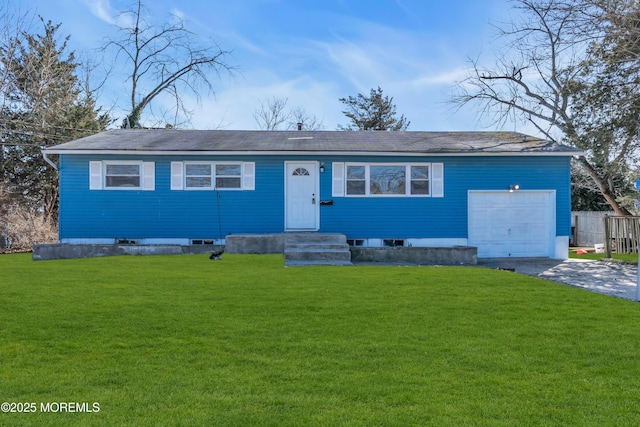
(299, 125)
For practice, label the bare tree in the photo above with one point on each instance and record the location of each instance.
(164, 60)
(273, 114)
(556, 73)
(306, 120)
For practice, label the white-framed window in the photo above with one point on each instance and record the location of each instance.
(198, 175)
(389, 179)
(229, 176)
(121, 175)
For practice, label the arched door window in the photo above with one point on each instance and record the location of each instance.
(300, 172)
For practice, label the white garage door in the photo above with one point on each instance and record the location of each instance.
(518, 224)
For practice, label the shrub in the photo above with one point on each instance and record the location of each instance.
(21, 228)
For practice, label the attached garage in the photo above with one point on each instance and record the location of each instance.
(512, 223)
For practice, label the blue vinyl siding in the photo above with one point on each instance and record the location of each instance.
(164, 213)
(416, 217)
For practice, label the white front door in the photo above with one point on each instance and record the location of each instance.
(301, 196)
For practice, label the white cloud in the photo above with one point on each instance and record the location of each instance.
(450, 77)
(178, 14)
(233, 107)
(102, 10)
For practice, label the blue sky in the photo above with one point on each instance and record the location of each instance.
(310, 52)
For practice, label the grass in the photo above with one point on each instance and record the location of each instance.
(630, 258)
(183, 340)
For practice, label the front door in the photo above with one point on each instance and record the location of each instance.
(301, 196)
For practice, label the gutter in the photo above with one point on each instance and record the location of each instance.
(48, 160)
(572, 153)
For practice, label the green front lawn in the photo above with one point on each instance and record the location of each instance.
(181, 340)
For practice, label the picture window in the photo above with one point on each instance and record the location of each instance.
(377, 180)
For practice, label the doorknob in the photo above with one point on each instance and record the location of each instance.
(313, 199)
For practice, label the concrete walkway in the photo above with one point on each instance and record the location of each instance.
(609, 278)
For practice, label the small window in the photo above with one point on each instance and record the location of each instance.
(355, 242)
(300, 172)
(202, 241)
(356, 182)
(126, 242)
(122, 175)
(229, 176)
(208, 176)
(393, 243)
(420, 180)
(198, 175)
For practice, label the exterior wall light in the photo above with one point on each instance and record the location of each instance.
(513, 188)
(321, 167)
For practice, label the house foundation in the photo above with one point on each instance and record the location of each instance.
(269, 244)
(69, 251)
(457, 255)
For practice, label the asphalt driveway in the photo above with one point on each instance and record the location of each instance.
(608, 278)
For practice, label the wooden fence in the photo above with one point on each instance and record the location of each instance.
(587, 228)
(621, 234)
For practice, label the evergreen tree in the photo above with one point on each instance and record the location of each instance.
(373, 112)
(43, 104)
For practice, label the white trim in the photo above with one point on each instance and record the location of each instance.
(249, 176)
(156, 241)
(317, 153)
(106, 241)
(177, 173)
(95, 176)
(337, 179)
(436, 243)
(148, 176)
(315, 166)
(437, 179)
(415, 242)
(561, 247)
(147, 241)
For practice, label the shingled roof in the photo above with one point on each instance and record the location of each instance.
(170, 141)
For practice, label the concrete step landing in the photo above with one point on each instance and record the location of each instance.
(316, 249)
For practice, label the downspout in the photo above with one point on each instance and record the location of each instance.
(55, 167)
(48, 160)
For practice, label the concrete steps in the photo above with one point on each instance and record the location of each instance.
(316, 249)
